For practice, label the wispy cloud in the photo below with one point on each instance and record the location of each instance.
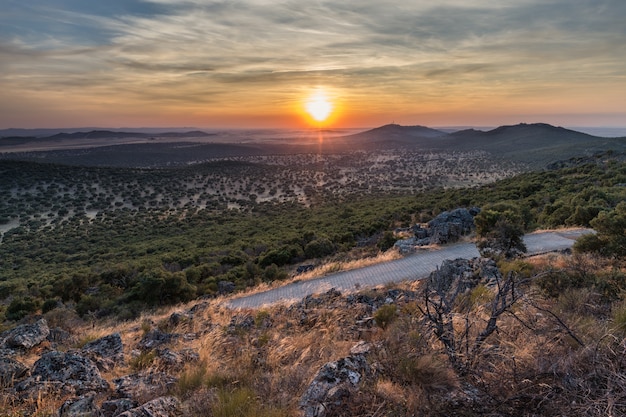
(259, 52)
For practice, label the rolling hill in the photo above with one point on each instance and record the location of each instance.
(535, 145)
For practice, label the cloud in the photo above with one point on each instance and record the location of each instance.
(202, 51)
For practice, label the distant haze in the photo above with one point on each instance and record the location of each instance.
(253, 64)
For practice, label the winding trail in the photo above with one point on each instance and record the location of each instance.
(413, 267)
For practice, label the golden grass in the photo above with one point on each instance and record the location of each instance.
(267, 366)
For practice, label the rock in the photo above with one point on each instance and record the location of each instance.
(333, 384)
(113, 408)
(144, 383)
(25, 336)
(106, 352)
(406, 245)
(240, 322)
(304, 268)
(83, 406)
(159, 407)
(448, 227)
(176, 360)
(176, 319)
(61, 337)
(458, 275)
(225, 287)
(11, 371)
(155, 339)
(68, 373)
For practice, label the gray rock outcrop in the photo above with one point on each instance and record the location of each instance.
(115, 407)
(25, 336)
(144, 383)
(458, 275)
(11, 371)
(66, 373)
(106, 352)
(155, 339)
(159, 407)
(447, 227)
(334, 383)
(83, 406)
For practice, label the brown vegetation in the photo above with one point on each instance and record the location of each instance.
(512, 349)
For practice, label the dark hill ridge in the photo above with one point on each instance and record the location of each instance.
(104, 134)
(536, 144)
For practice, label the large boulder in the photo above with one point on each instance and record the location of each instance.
(156, 338)
(144, 383)
(459, 275)
(334, 384)
(159, 407)
(83, 406)
(10, 371)
(106, 352)
(449, 226)
(25, 336)
(115, 407)
(66, 373)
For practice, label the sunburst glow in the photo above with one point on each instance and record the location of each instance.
(319, 107)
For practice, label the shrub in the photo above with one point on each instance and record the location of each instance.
(142, 361)
(191, 379)
(319, 248)
(619, 318)
(20, 308)
(385, 315)
(49, 305)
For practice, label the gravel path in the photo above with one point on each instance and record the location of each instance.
(413, 267)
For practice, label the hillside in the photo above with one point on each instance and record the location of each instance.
(390, 351)
(97, 263)
(535, 146)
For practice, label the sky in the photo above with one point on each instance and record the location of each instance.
(257, 63)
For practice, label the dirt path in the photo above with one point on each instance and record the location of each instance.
(413, 267)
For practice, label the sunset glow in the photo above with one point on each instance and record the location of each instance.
(318, 107)
(255, 64)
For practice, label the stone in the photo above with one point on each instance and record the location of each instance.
(456, 276)
(144, 383)
(240, 322)
(159, 407)
(11, 371)
(83, 406)
(449, 226)
(25, 336)
(113, 408)
(64, 372)
(334, 383)
(106, 352)
(61, 337)
(304, 268)
(154, 339)
(225, 287)
(176, 360)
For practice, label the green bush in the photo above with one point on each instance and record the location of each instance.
(385, 315)
(20, 308)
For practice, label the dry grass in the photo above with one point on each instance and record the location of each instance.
(531, 365)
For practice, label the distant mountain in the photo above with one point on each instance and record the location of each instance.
(398, 130)
(536, 144)
(106, 134)
(392, 136)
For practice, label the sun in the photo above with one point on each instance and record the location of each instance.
(318, 107)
